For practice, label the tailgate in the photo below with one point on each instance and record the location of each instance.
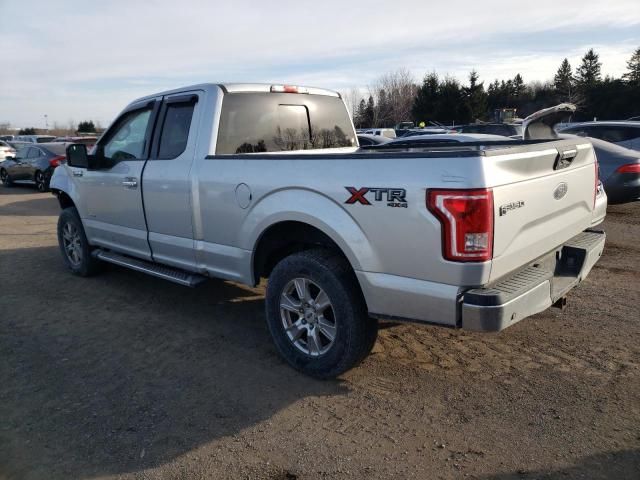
(542, 198)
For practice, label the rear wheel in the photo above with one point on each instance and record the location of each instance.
(74, 246)
(316, 314)
(5, 178)
(41, 181)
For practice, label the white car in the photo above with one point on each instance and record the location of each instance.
(384, 132)
(6, 150)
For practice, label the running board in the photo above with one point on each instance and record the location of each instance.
(175, 275)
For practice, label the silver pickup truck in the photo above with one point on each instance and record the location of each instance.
(245, 181)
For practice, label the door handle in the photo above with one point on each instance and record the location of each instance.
(130, 182)
(77, 173)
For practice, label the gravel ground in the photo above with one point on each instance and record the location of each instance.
(126, 376)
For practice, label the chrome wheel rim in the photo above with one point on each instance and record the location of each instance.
(72, 244)
(3, 176)
(40, 181)
(308, 317)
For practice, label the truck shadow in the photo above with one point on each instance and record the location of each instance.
(28, 203)
(122, 372)
(624, 464)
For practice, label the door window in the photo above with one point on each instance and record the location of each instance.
(175, 130)
(127, 141)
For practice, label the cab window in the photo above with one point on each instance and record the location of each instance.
(175, 130)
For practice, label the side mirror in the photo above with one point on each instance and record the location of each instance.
(77, 156)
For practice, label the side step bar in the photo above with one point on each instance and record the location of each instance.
(175, 275)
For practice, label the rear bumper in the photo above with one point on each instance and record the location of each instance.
(534, 288)
(623, 187)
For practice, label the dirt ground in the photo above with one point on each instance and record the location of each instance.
(127, 376)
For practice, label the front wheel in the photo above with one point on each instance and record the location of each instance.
(74, 246)
(316, 314)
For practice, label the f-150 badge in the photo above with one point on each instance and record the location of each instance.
(507, 207)
(394, 197)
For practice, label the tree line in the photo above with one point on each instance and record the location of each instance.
(395, 97)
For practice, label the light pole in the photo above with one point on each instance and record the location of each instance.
(46, 122)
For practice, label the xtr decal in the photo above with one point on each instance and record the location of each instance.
(394, 197)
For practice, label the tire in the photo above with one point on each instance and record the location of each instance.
(5, 178)
(74, 246)
(302, 330)
(41, 181)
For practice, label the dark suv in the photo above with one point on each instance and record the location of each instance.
(625, 134)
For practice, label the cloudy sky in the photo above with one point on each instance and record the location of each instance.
(75, 60)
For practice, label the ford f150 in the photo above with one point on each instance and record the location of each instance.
(245, 181)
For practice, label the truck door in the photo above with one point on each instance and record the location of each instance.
(167, 181)
(114, 214)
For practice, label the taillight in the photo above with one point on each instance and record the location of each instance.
(55, 161)
(466, 217)
(595, 188)
(629, 168)
(288, 89)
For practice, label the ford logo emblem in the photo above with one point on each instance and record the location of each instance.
(560, 191)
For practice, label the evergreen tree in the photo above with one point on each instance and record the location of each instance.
(589, 73)
(563, 81)
(476, 99)
(86, 127)
(369, 113)
(425, 103)
(450, 105)
(633, 68)
(360, 115)
(517, 86)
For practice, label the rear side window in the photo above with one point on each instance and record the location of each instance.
(34, 153)
(614, 133)
(175, 130)
(275, 122)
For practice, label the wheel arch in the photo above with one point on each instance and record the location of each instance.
(309, 219)
(64, 189)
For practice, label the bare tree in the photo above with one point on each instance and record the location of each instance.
(394, 93)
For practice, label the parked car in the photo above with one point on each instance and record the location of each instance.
(230, 181)
(384, 132)
(7, 138)
(504, 129)
(449, 138)
(6, 150)
(366, 140)
(88, 141)
(623, 133)
(424, 131)
(619, 170)
(35, 138)
(33, 164)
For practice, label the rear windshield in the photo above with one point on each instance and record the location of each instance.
(44, 139)
(56, 148)
(276, 122)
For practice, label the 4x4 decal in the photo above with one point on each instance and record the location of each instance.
(394, 197)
